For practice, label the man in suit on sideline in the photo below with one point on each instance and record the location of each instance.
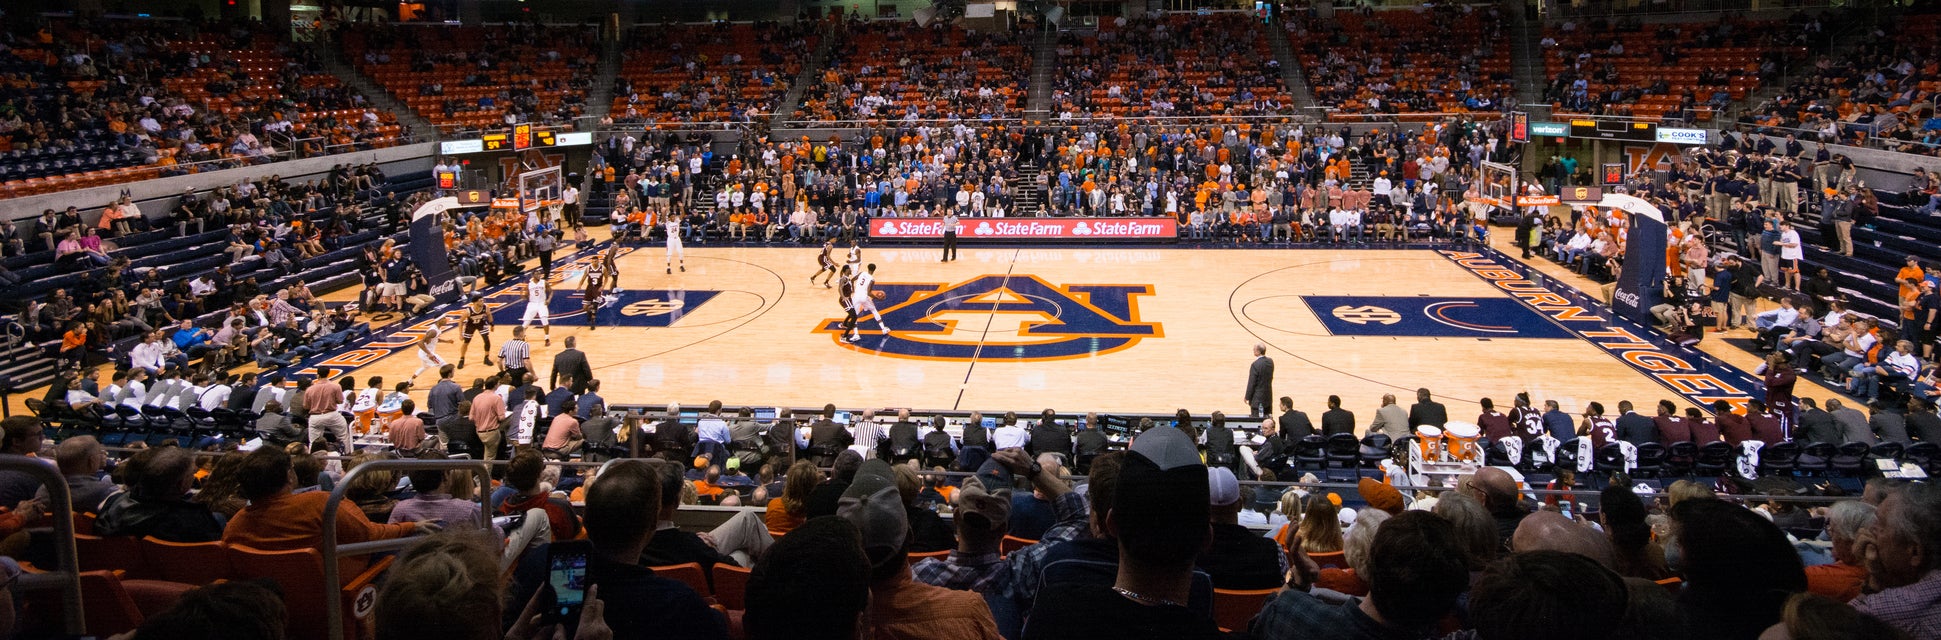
(571, 364)
(1294, 424)
(1426, 411)
(1633, 427)
(1336, 419)
(1260, 383)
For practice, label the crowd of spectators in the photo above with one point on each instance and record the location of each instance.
(468, 78)
(1445, 58)
(1169, 66)
(201, 323)
(883, 71)
(1877, 93)
(1676, 71)
(92, 102)
(1242, 182)
(719, 72)
(1165, 530)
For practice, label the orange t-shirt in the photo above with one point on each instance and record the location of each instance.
(1839, 581)
(1909, 274)
(778, 518)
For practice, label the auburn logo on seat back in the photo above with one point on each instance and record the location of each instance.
(1006, 317)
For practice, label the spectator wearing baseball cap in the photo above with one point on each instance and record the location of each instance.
(1237, 558)
(981, 515)
(1159, 520)
(901, 608)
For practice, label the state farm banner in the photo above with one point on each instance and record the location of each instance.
(1029, 228)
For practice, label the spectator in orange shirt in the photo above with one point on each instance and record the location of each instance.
(279, 520)
(1842, 579)
(709, 488)
(74, 344)
(787, 512)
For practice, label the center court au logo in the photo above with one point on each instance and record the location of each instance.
(1015, 317)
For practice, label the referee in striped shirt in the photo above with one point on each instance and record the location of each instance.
(514, 354)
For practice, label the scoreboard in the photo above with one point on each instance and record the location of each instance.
(1614, 130)
(521, 138)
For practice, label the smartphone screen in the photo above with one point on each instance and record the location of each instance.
(567, 562)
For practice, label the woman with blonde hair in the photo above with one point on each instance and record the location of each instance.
(1320, 531)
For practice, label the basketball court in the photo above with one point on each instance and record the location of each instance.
(1108, 329)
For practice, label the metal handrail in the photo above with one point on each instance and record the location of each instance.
(333, 607)
(68, 578)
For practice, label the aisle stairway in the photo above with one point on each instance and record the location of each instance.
(811, 74)
(1044, 62)
(1526, 57)
(1026, 194)
(1291, 74)
(380, 99)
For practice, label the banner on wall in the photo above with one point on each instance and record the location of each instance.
(1654, 157)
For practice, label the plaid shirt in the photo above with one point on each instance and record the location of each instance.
(1025, 564)
(963, 573)
(1915, 608)
(1294, 614)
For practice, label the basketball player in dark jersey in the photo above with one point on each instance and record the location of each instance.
(1527, 420)
(825, 264)
(478, 321)
(595, 279)
(845, 294)
(609, 263)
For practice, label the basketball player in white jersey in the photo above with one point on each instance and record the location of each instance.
(538, 296)
(855, 262)
(673, 225)
(864, 297)
(428, 348)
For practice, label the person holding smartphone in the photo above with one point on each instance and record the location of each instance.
(617, 531)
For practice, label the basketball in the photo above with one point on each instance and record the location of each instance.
(876, 295)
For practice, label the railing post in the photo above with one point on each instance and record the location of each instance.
(333, 607)
(68, 574)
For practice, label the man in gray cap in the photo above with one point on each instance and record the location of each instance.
(901, 608)
(982, 514)
(1159, 521)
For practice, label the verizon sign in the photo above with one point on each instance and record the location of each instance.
(1029, 228)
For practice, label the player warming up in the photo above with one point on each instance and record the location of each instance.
(674, 250)
(825, 264)
(478, 321)
(428, 348)
(538, 296)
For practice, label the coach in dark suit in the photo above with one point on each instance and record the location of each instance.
(1337, 419)
(571, 364)
(1294, 424)
(1427, 411)
(1634, 427)
(1260, 383)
